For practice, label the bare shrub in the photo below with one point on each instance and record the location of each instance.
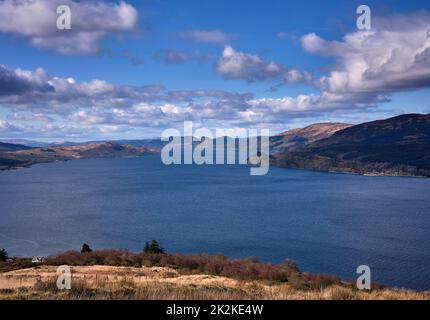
(242, 269)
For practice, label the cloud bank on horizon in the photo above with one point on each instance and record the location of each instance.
(365, 69)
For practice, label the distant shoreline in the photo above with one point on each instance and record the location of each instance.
(26, 158)
(370, 174)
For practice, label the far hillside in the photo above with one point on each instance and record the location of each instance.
(396, 146)
(12, 147)
(26, 157)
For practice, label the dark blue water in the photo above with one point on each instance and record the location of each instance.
(328, 223)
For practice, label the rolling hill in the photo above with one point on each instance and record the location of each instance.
(301, 137)
(27, 157)
(394, 146)
(12, 147)
(398, 146)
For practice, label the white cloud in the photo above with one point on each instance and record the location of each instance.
(239, 65)
(236, 65)
(8, 127)
(392, 57)
(368, 67)
(46, 105)
(91, 21)
(294, 76)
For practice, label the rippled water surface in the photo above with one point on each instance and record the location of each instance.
(328, 223)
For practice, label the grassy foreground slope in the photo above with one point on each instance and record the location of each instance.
(110, 274)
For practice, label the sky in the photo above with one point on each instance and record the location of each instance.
(131, 69)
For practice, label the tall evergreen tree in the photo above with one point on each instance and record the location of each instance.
(153, 247)
(86, 248)
(3, 254)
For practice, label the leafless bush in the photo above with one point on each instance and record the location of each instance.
(242, 269)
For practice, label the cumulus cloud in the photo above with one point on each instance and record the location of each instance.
(236, 65)
(239, 65)
(80, 109)
(91, 21)
(392, 57)
(99, 105)
(294, 76)
(369, 67)
(207, 36)
(8, 127)
(20, 82)
(38, 91)
(312, 103)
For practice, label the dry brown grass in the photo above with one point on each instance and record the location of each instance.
(163, 283)
(242, 269)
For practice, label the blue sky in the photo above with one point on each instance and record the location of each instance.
(291, 62)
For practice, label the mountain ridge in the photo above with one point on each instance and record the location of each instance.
(398, 146)
(303, 136)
